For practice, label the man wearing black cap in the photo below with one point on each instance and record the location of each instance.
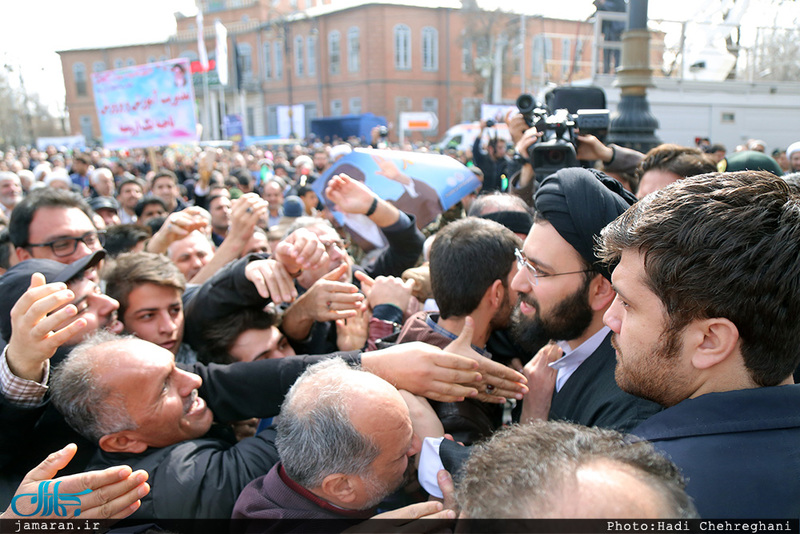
(564, 291)
(107, 208)
(25, 362)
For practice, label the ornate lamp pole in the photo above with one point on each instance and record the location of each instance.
(632, 125)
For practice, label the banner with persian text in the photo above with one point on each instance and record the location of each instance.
(146, 105)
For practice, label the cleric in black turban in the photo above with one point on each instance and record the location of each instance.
(579, 203)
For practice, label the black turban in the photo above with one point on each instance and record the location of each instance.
(519, 222)
(579, 203)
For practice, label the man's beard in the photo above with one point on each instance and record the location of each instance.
(568, 320)
(379, 490)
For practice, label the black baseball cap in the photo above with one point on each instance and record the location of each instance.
(15, 282)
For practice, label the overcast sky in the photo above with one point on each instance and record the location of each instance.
(34, 29)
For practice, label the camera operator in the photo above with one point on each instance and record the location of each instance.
(494, 162)
(616, 161)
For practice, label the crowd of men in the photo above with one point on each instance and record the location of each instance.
(197, 337)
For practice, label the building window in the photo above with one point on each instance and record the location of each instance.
(278, 50)
(541, 53)
(251, 121)
(430, 49)
(402, 47)
(98, 66)
(267, 61)
(162, 58)
(432, 105)
(311, 53)
(245, 61)
(130, 62)
(117, 63)
(353, 50)
(86, 126)
(466, 55)
(272, 120)
(151, 59)
(578, 56)
(355, 105)
(334, 52)
(298, 55)
(336, 108)
(565, 56)
(79, 71)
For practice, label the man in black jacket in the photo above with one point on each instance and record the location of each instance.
(564, 291)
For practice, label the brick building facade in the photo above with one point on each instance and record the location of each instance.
(336, 59)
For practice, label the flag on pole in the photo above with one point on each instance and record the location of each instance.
(201, 42)
(222, 52)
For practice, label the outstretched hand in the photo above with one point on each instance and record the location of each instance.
(349, 195)
(498, 382)
(39, 327)
(271, 280)
(301, 249)
(115, 491)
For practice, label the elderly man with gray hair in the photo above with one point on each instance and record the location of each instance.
(344, 437)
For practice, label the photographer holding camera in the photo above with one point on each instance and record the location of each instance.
(545, 143)
(495, 162)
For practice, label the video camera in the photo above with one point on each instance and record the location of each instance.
(557, 147)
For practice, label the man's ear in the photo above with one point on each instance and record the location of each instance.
(711, 341)
(123, 441)
(340, 488)
(22, 253)
(600, 293)
(495, 293)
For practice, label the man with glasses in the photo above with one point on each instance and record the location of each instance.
(328, 292)
(564, 291)
(54, 225)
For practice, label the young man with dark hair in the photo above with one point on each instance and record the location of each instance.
(248, 335)
(126, 238)
(667, 163)
(165, 187)
(149, 289)
(54, 225)
(129, 194)
(150, 208)
(705, 323)
(471, 265)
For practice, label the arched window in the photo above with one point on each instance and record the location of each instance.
(402, 47)
(430, 49)
(98, 66)
(335, 52)
(79, 71)
(117, 63)
(353, 49)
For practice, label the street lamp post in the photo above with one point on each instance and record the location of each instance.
(632, 125)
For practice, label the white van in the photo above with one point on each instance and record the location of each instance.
(462, 136)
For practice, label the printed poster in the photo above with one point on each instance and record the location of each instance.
(419, 183)
(146, 105)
